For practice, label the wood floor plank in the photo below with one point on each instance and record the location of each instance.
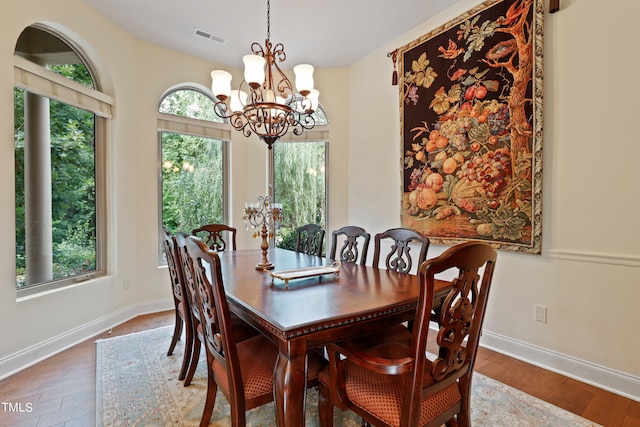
(62, 388)
(634, 410)
(543, 384)
(607, 408)
(518, 373)
(630, 422)
(572, 396)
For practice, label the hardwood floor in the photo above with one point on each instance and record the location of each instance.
(60, 391)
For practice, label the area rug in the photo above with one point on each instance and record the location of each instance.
(137, 385)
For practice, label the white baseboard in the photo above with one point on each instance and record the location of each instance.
(29, 356)
(621, 383)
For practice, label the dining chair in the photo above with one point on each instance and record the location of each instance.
(242, 329)
(214, 236)
(350, 235)
(399, 257)
(394, 384)
(242, 370)
(310, 239)
(180, 300)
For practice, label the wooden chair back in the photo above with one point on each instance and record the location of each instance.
(351, 235)
(214, 236)
(183, 320)
(215, 314)
(427, 392)
(310, 239)
(399, 256)
(181, 242)
(174, 267)
(192, 353)
(461, 317)
(226, 357)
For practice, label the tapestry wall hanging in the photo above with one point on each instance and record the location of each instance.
(471, 125)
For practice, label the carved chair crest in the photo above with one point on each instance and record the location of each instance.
(310, 242)
(216, 241)
(349, 251)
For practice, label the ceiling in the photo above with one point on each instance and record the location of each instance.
(323, 33)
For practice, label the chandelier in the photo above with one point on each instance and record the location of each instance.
(265, 103)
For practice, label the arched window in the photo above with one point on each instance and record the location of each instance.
(299, 181)
(60, 119)
(193, 155)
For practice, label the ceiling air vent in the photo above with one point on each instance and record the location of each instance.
(208, 35)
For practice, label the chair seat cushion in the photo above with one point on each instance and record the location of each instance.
(257, 358)
(382, 395)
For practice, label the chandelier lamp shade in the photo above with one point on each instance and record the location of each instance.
(266, 103)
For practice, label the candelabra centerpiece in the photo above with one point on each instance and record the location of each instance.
(264, 215)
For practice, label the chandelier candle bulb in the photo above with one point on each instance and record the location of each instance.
(221, 84)
(254, 70)
(313, 99)
(238, 100)
(304, 78)
(270, 96)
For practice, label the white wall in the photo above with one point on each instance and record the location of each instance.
(587, 274)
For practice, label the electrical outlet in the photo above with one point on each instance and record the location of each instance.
(125, 283)
(541, 313)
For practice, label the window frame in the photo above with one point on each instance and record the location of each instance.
(195, 127)
(36, 79)
(319, 133)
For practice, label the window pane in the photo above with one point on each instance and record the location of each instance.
(190, 103)
(42, 47)
(76, 72)
(18, 133)
(59, 197)
(73, 182)
(55, 208)
(320, 117)
(192, 181)
(300, 185)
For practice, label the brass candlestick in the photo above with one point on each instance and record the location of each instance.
(265, 215)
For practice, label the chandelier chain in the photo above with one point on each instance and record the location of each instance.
(268, 20)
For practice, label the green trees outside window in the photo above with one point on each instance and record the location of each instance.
(73, 183)
(300, 185)
(193, 174)
(192, 181)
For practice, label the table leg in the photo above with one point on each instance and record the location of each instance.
(289, 383)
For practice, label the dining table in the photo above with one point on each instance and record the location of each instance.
(307, 313)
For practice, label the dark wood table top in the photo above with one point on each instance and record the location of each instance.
(317, 302)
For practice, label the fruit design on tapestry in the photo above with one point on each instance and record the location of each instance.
(470, 153)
